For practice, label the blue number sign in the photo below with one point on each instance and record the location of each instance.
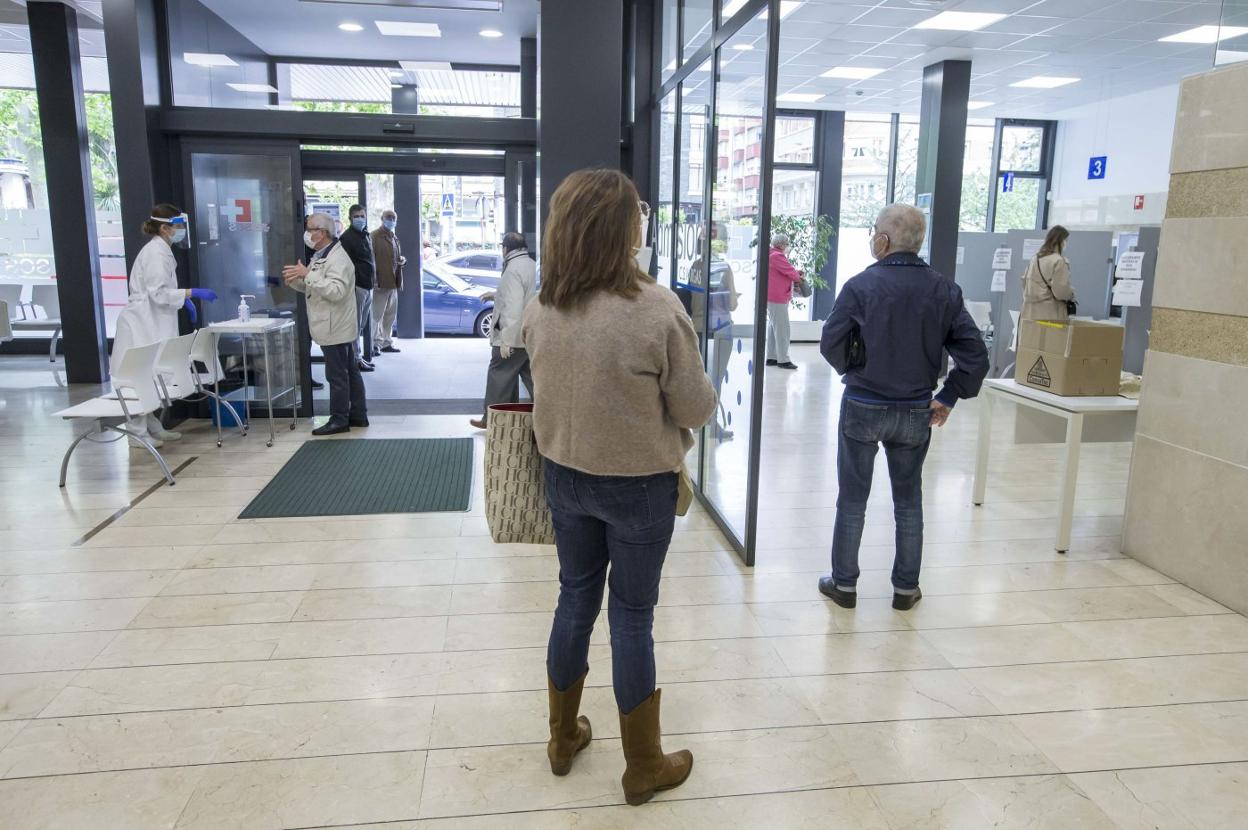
(1097, 166)
(1007, 183)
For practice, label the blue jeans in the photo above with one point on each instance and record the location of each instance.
(905, 431)
(624, 522)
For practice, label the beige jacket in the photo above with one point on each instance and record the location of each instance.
(330, 288)
(516, 289)
(1040, 302)
(619, 383)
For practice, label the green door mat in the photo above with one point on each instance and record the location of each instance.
(358, 477)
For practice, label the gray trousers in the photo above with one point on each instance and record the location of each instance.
(364, 314)
(502, 381)
(385, 310)
(778, 334)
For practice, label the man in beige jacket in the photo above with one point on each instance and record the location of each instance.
(328, 281)
(509, 362)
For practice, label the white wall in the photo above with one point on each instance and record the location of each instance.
(1135, 132)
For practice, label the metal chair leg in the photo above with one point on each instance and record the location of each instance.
(52, 349)
(70, 451)
(142, 439)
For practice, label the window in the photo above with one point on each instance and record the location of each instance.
(1022, 148)
(795, 139)
(671, 12)
(429, 282)
(698, 22)
(976, 177)
(484, 263)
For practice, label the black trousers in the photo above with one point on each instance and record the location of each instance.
(346, 384)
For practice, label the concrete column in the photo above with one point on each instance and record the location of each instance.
(942, 148)
(1189, 470)
(67, 158)
(581, 43)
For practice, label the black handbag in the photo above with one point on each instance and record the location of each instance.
(1072, 306)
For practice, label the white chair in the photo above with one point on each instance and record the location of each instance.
(981, 313)
(1014, 317)
(134, 393)
(204, 351)
(6, 330)
(45, 297)
(11, 296)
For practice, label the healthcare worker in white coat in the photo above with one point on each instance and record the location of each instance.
(152, 312)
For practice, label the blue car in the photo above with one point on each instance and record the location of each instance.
(453, 305)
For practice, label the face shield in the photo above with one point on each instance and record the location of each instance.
(181, 225)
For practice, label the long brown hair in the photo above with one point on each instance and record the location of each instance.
(1053, 241)
(591, 233)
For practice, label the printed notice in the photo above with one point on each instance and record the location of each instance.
(1031, 247)
(1003, 258)
(1131, 266)
(1127, 293)
(961, 255)
(998, 282)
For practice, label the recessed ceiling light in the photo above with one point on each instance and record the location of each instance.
(978, 105)
(207, 59)
(426, 66)
(490, 33)
(401, 28)
(1206, 34)
(961, 21)
(787, 7)
(799, 97)
(852, 73)
(743, 47)
(397, 73)
(253, 88)
(396, 86)
(1045, 82)
(351, 27)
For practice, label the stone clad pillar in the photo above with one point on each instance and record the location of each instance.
(1186, 513)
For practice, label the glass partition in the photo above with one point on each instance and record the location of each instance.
(864, 189)
(976, 177)
(671, 15)
(698, 23)
(734, 285)
(665, 208)
(1233, 33)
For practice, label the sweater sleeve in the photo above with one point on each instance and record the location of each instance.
(781, 267)
(970, 357)
(687, 392)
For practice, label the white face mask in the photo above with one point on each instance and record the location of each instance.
(307, 239)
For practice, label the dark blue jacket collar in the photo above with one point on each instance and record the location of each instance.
(902, 258)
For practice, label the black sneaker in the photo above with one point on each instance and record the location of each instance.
(390, 350)
(904, 602)
(788, 364)
(367, 367)
(845, 599)
(316, 384)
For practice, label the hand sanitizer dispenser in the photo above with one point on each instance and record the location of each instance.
(244, 310)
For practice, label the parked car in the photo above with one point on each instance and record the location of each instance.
(453, 305)
(479, 266)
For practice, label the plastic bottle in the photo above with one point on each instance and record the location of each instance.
(244, 310)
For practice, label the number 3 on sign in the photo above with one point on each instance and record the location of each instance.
(1096, 167)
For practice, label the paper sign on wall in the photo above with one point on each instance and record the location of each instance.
(1031, 247)
(998, 282)
(961, 255)
(1127, 293)
(1002, 258)
(1131, 266)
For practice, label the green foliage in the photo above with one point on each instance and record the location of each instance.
(810, 243)
(20, 137)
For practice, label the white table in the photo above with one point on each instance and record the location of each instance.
(263, 327)
(1073, 411)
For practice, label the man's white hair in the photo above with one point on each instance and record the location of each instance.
(905, 226)
(322, 222)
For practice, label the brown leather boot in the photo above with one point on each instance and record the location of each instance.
(649, 770)
(569, 734)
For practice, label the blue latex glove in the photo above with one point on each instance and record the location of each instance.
(205, 294)
(190, 309)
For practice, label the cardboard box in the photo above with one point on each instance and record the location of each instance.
(1076, 359)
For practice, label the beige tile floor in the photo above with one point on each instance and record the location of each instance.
(182, 668)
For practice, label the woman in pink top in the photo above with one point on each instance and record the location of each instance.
(781, 277)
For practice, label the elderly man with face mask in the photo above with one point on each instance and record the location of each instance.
(887, 335)
(328, 281)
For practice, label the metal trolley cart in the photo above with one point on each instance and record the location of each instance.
(278, 348)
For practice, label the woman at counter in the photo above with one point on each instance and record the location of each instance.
(1046, 284)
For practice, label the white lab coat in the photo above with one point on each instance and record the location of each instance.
(152, 313)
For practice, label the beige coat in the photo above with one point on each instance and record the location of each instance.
(516, 289)
(1046, 288)
(330, 288)
(619, 383)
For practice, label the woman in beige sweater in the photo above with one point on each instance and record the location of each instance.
(619, 383)
(1046, 285)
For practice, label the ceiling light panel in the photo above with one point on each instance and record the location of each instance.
(425, 66)
(1206, 34)
(961, 21)
(1044, 82)
(798, 97)
(208, 59)
(403, 28)
(253, 88)
(852, 73)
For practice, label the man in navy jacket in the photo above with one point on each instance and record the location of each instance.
(887, 335)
